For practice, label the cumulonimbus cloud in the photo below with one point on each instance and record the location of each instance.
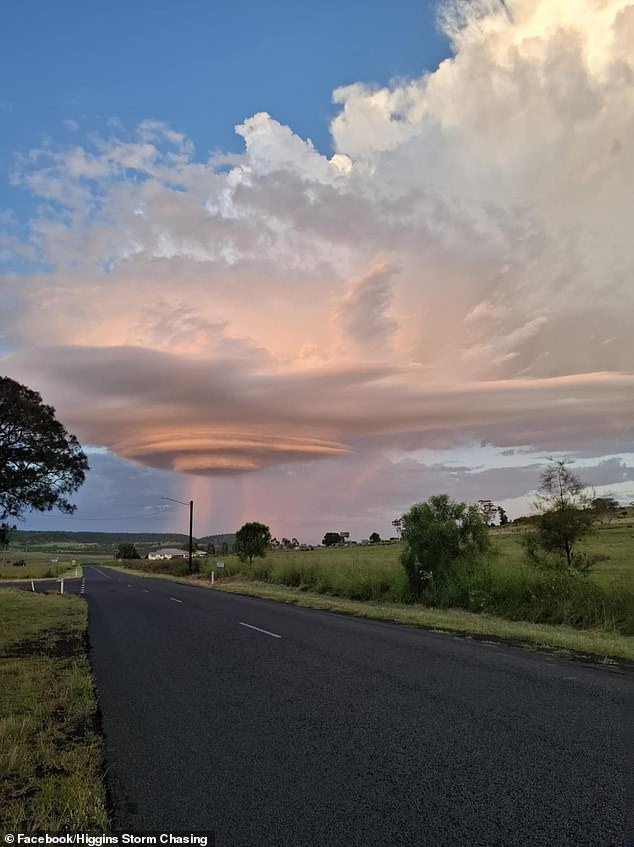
(226, 315)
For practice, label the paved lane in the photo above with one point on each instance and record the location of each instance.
(274, 725)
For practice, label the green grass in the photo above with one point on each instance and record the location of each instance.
(41, 565)
(50, 750)
(615, 542)
(506, 590)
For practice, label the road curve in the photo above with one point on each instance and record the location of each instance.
(275, 725)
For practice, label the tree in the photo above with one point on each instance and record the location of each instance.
(488, 510)
(564, 517)
(605, 507)
(127, 551)
(397, 523)
(40, 462)
(330, 539)
(504, 518)
(439, 536)
(5, 534)
(375, 538)
(252, 540)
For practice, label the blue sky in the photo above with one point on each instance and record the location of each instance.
(406, 270)
(201, 67)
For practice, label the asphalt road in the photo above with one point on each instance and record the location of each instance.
(274, 725)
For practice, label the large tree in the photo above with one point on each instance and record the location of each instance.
(40, 462)
(252, 540)
(330, 539)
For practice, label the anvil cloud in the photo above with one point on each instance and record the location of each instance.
(459, 270)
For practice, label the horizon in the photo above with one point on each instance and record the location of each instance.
(311, 266)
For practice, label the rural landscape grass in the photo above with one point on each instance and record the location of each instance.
(508, 596)
(50, 748)
(593, 614)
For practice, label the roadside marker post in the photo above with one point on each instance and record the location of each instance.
(32, 586)
(61, 586)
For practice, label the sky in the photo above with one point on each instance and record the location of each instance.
(309, 264)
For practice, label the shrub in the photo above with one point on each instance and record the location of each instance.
(441, 538)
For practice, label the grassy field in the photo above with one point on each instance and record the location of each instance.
(50, 750)
(375, 572)
(42, 565)
(507, 588)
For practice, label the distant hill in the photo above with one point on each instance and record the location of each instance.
(107, 542)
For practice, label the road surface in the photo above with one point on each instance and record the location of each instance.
(275, 725)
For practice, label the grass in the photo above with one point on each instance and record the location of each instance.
(38, 565)
(50, 749)
(507, 599)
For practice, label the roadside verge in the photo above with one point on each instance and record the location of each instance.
(594, 645)
(50, 747)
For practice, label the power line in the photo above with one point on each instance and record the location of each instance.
(168, 511)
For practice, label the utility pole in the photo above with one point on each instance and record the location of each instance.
(190, 567)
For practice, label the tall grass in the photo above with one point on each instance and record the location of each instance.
(502, 587)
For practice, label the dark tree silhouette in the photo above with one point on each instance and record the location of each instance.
(40, 462)
(252, 540)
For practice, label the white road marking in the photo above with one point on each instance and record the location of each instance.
(145, 590)
(107, 575)
(175, 600)
(265, 631)
(130, 586)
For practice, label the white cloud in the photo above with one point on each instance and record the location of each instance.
(499, 187)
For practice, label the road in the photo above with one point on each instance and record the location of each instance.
(275, 725)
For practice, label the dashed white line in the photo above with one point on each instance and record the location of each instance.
(175, 600)
(265, 631)
(145, 590)
(107, 575)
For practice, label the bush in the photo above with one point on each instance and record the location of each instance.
(441, 539)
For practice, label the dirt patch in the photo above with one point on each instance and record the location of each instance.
(59, 646)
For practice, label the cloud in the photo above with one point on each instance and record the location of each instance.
(459, 269)
(364, 309)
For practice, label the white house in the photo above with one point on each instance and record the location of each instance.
(167, 553)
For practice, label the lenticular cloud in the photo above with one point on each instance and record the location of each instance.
(460, 264)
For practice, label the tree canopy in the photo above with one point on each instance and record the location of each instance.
(127, 551)
(252, 540)
(40, 462)
(440, 535)
(565, 516)
(331, 538)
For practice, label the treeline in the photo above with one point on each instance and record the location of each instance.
(106, 542)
